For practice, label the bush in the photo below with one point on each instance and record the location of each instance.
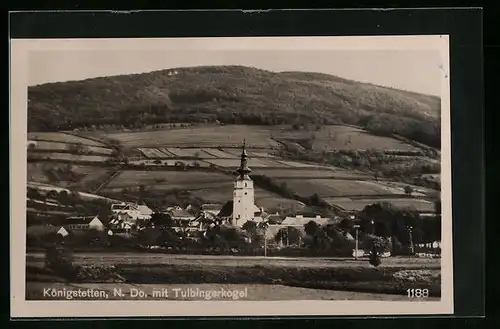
(59, 260)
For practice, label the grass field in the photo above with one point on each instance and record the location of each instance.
(223, 192)
(220, 154)
(69, 157)
(153, 153)
(128, 178)
(252, 163)
(190, 152)
(253, 153)
(37, 172)
(359, 204)
(333, 137)
(201, 137)
(307, 173)
(337, 187)
(61, 146)
(62, 138)
(144, 258)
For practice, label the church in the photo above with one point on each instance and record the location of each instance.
(242, 208)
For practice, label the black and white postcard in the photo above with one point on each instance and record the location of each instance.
(250, 176)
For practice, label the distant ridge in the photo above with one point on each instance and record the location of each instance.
(233, 94)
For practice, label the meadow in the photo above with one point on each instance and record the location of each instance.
(59, 156)
(307, 173)
(62, 138)
(61, 146)
(356, 204)
(252, 163)
(198, 137)
(334, 137)
(135, 178)
(336, 187)
(223, 192)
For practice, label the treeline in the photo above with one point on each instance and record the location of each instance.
(411, 170)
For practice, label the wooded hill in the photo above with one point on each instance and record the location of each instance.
(233, 94)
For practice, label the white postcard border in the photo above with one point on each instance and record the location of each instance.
(19, 51)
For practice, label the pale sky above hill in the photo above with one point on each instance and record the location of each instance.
(413, 70)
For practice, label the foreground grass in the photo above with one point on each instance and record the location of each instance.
(386, 280)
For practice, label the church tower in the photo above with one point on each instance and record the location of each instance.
(243, 195)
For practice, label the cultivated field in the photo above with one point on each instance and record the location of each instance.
(62, 138)
(253, 153)
(170, 163)
(337, 187)
(359, 204)
(154, 153)
(252, 163)
(189, 152)
(333, 137)
(201, 137)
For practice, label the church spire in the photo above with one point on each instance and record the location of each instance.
(243, 170)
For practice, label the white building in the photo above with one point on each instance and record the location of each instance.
(131, 212)
(243, 194)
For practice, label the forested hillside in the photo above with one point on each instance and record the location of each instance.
(233, 94)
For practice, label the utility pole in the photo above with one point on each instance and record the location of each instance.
(412, 249)
(356, 227)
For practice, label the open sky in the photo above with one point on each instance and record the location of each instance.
(413, 70)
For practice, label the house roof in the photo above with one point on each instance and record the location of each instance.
(300, 221)
(144, 210)
(227, 209)
(180, 213)
(211, 206)
(80, 220)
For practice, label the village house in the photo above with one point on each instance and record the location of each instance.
(82, 224)
(132, 212)
(211, 208)
(181, 218)
(301, 220)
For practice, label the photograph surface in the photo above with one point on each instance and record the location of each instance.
(231, 176)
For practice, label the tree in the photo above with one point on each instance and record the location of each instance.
(289, 236)
(408, 190)
(311, 228)
(161, 220)
(374, 256)
(60, 261)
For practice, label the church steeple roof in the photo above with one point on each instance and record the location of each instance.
(243, 170)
